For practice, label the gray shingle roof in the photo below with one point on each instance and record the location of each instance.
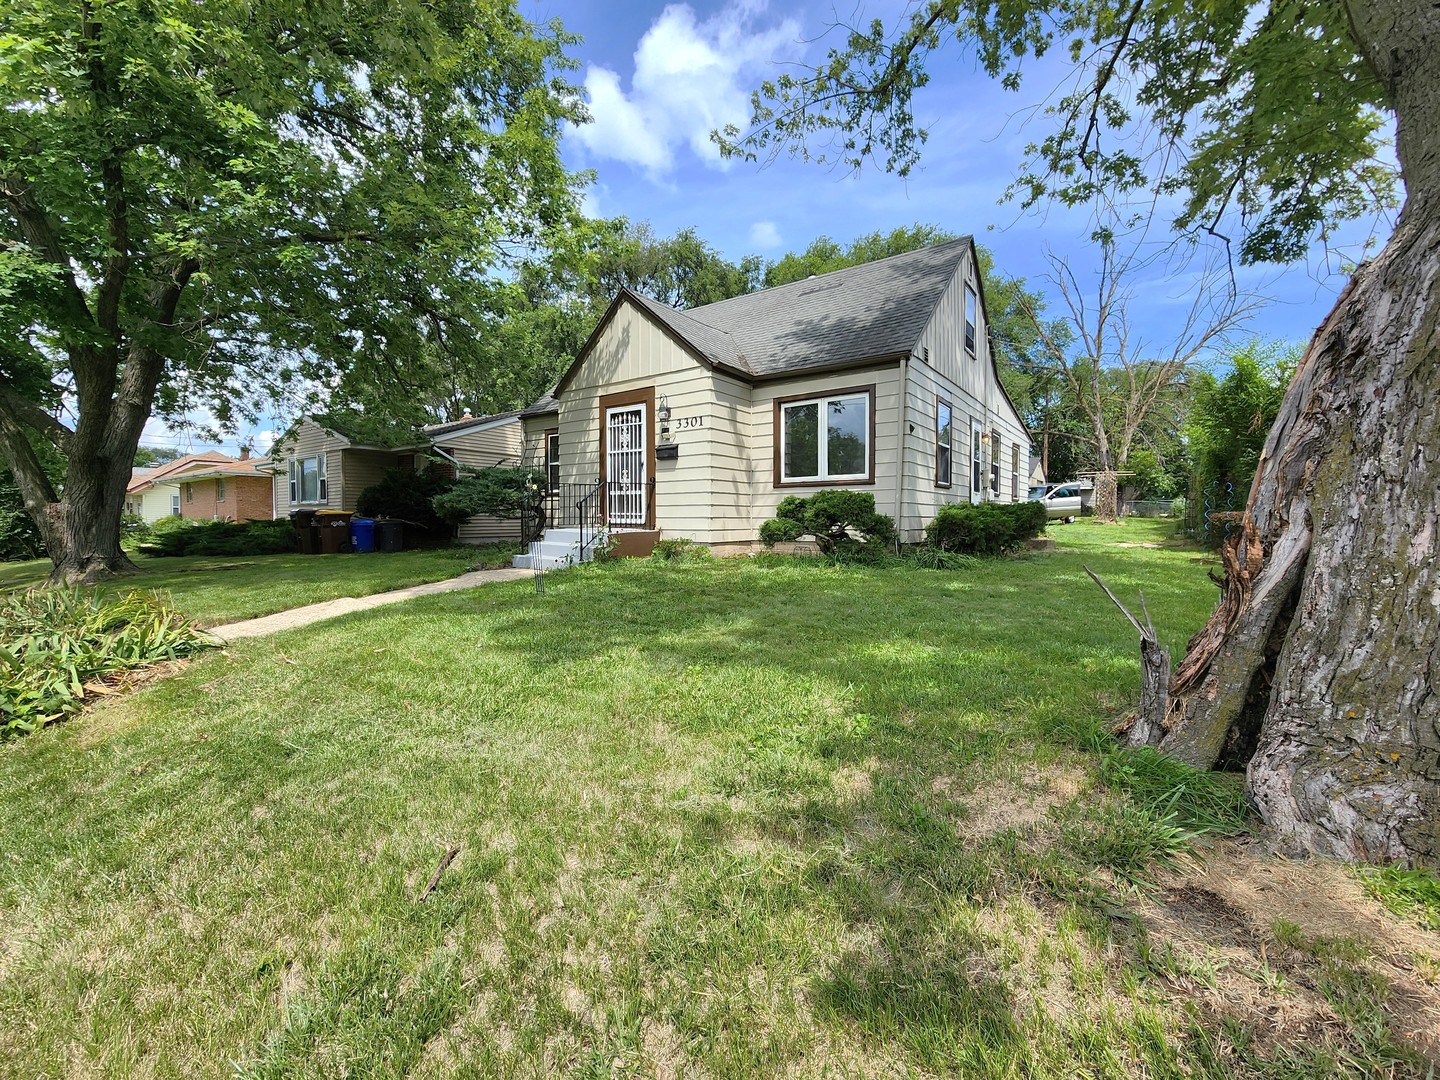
(467, 421)
(875, 309)
(545, 405)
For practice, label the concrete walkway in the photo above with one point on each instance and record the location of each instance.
(329, 609)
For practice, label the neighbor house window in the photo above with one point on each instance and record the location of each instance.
(552, 459)
(174, 505)
(308, 482)
(970, 306)
(824, 439)
(189, 493)
(220, 489)
(944, 439)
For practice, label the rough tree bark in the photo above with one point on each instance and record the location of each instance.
(1321, 664)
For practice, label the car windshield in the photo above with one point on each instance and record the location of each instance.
(1038, 491)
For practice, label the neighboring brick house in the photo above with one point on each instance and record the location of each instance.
(240, 490)
(155, 493)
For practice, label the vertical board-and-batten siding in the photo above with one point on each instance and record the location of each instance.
(482, 448)
(941, 366)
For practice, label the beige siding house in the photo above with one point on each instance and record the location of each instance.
(319, 467)
(697, 423)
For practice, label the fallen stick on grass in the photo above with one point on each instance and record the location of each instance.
(435, 878)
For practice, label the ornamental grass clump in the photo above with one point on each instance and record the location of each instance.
(58, 645)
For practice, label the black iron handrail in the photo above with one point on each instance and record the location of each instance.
(590, 515)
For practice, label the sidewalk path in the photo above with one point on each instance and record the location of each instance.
(329, 609)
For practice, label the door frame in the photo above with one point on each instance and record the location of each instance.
(645, 397)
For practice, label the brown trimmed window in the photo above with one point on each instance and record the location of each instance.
(944, 442)
(826, 438)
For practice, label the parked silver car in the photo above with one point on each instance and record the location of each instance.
(1063, 502)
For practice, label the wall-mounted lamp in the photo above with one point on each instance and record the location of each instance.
(663, 414)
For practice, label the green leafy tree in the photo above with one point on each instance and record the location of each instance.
(1230, 416)
(1264, 123)
(682, 271)
(204, 205)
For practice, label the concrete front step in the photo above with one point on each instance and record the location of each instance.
(542, 562)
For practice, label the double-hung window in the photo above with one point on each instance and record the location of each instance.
(174, 505)
(970, 319)
(1014, 472)
(825, 439)
(995, 464)
(944, 442)
(552, 460)
(219, 489)
(977, 460)
(308, 480)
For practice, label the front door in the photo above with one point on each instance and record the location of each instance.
(626, 473)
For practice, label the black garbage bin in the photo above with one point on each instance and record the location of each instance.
(303, 522)
(389, 535)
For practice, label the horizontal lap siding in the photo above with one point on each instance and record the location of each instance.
(632, 354)
(310, 439)
(484, 449)
(360, 470)
(767, 496)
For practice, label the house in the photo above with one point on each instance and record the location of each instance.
(324, 462)
(155, 493)
(696, 423)
(233, 490)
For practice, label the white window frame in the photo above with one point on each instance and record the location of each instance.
(977, 461)
(995, 463)
(297, 476)
(175, 505)
(822, 435)
(972, 319)
(552, 460)
(1014, 472)
(944, 438)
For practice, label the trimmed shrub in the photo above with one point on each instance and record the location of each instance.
(55, 644)
(221, 538)
(833, 518)
(985, 528)
(503, 491)
(410, 497)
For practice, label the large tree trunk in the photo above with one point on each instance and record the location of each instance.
(1320, 667)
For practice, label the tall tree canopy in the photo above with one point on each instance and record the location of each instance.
(200, 204)
(1265, 123)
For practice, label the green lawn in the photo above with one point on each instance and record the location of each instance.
(742, 819)
(221, 589)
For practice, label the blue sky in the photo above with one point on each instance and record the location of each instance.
(660, 77)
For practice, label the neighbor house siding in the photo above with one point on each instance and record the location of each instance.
(309, 440)
(153, 503)
(483, 448)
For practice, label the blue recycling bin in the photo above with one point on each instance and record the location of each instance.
(362, 534)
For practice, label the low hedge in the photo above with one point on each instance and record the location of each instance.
(985, 528)
(224, 538)
(839, 521)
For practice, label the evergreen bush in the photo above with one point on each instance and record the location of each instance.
(985, 528)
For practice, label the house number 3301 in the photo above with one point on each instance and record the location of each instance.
(683, 422)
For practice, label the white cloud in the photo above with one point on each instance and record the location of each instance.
(690, 78)
(764, 235)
